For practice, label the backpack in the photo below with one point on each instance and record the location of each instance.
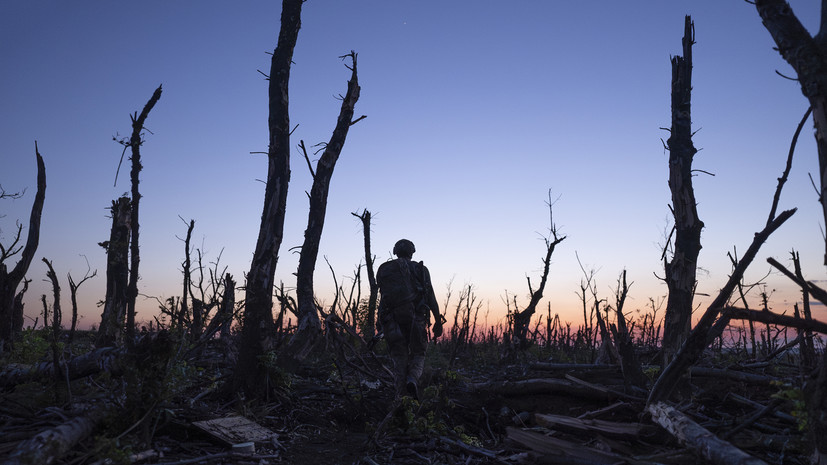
(398, 283)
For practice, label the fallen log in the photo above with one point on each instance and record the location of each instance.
(551, 366)
(570, 452)
(611, 429)
(546, 386)
(596, 388)
(705, 372)
(697, 438)
(761, 316)
(751, 403)
(103, 359)
(50, 445)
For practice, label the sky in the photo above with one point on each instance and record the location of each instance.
(476, 110)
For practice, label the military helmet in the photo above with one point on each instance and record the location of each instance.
(404, 248)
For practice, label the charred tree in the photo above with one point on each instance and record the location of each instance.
(703, 332)
(73, 297)
(117, 274)
(135, 142)
(370, 316)
(308, 325)
(224, 315)
(10, 280)
(258, 327)
(187, 267)
(522, 318)
(680, 271)
(17, 310)
(629, 363)
(807, 55)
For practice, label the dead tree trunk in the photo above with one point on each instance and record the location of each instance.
(134, 143)
(522, 318)
(57, 316)
(308, 325)
(224, 315)
(370, 316)
(632, 372)
(808, 56)
(187, 265)
(680, 271)
(111, 327)
(17, 311)
(9, 280)
(73, 296)
(258, 328)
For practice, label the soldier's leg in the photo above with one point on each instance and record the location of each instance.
(397, 348)
(416, 363)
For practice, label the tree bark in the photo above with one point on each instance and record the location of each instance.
(308, 325)
(135, 142)
(258, 328)
(681, 270)
(111, 327)
(10, 280)
(17, 311)
(808, 56)
(698, 438)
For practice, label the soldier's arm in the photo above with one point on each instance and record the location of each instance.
(429, 295)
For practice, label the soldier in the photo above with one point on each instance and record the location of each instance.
(407, 299)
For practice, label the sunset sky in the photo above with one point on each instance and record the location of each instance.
(475, 110)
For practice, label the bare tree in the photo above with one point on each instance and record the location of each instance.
(806, 54)
(522, 318)
(370, 316)
(308, 325)
(187, 270)
(73, 295)
(134, 143)
(258, 327)
(10, 280)
(681, 269)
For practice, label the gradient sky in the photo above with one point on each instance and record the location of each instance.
(475, 109)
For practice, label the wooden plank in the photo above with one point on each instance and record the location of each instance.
(236, 430)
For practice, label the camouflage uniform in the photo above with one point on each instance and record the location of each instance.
(405, 329)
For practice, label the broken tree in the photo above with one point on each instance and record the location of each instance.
(308, 324)
(522, 318)
(806, 54)
(680, 270)
(258, 327)
(117, 275)
(135, 142)
(10, 280)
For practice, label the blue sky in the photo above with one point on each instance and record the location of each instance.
(475, 109)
